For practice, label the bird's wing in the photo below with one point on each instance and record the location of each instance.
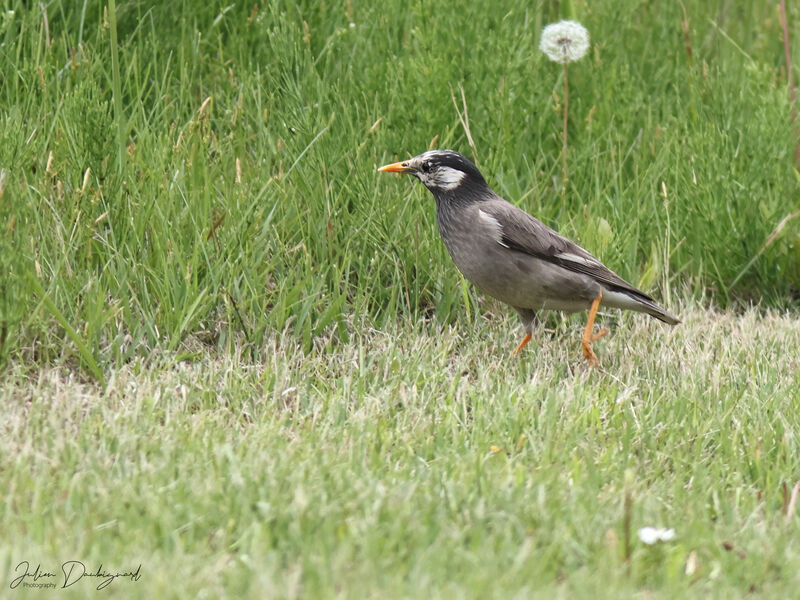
(521, 232)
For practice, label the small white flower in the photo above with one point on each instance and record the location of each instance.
(564, 42)
(651, 535)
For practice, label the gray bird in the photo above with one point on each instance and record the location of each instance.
(508, 254)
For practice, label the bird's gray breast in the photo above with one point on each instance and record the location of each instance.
(474, 240)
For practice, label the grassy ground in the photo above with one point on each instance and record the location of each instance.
(233, 352)
(422, 461)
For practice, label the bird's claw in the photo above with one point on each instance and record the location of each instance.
(589, 354)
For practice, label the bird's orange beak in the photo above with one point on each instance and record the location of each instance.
(398, 167)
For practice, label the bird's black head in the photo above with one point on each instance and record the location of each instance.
(442, 172)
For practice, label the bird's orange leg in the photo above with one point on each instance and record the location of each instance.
(588, 336)
(524, 343)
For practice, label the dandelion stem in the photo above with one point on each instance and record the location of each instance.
(116, 85)
(564, 134)
(786, 49)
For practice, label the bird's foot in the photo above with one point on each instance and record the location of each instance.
(589, 336)
(589, 354)
(587, 341)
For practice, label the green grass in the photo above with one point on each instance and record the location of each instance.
(130, 255)
(370, 472)
(234, 352)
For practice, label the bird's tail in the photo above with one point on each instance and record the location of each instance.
(654, 310)
(639, 301)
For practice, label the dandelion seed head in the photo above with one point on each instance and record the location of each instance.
(564, 42)
(651, 535)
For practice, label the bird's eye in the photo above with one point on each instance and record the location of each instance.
(426, 166)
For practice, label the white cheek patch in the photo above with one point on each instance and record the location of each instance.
(494, 225)
(447, 178)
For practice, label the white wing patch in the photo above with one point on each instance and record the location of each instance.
(447, 178)
(581, 260)
(494, 224)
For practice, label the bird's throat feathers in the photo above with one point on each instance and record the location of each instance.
(466, 193)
